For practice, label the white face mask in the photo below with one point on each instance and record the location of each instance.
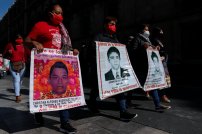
(146, 34)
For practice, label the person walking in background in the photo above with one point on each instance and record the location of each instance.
(52, 34)
(107, 36)
(156, 39)
(15, 52)
(138, 56)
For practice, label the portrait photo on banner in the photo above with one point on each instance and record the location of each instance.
(156, 74)
(55, 81)
(55, 78)
(115, 73)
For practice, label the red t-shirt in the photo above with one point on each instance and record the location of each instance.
(1, 61)
(18, 54)
(46, 34)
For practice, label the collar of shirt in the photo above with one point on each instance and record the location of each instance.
(115, 72)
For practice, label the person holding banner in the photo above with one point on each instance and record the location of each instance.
(107, 36)
(52, 34)
(156, 39)
(15, 52)
(138, 56)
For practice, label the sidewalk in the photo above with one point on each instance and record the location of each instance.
(183, 118)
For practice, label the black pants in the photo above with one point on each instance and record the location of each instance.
(94, 93)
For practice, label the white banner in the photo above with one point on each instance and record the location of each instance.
(156, 75)
(55, 81)
(115, 73)
(6, 64)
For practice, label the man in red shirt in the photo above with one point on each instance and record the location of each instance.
(52, 34)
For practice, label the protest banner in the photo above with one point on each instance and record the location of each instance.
(167, 75)
(156, 78)
(115, 73)
(55, 81)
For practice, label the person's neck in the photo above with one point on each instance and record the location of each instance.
(110, 34)
(52, 24)
(116, 69)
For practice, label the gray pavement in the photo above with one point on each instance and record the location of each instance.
(183, 118)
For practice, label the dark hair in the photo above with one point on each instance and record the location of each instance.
(155, 31)
(112, 49)
(141, 27)
(58, 64)
(49, 9)
(14, 37)
(51, 5)
(108, 19)
(154, 55)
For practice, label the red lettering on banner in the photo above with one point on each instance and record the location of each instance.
(102, 44)
(51, 51)
(130, 87)
(42, 109)
(110, 44)
(155, 85)
(114, 90)
(72, 105)
(117, 44)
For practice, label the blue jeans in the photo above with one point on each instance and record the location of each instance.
(120, 98)
(64, 116)
(94, 93)
(17, 79)
(155, 96)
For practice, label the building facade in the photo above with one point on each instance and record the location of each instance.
(179, 19)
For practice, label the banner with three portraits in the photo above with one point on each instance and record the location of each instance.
(55, 81)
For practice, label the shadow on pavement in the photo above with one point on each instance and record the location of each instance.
(13, 120)
(22, 91)
(6, 97)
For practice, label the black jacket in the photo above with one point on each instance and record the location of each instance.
(103, 37)
(138, 56)
(162, 51)
(109, 75)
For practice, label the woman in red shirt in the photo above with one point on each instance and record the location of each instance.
(52, 34)
(15, 52)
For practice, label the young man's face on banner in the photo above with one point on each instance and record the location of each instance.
(156, 63)
(59, 81)
(114, 60)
